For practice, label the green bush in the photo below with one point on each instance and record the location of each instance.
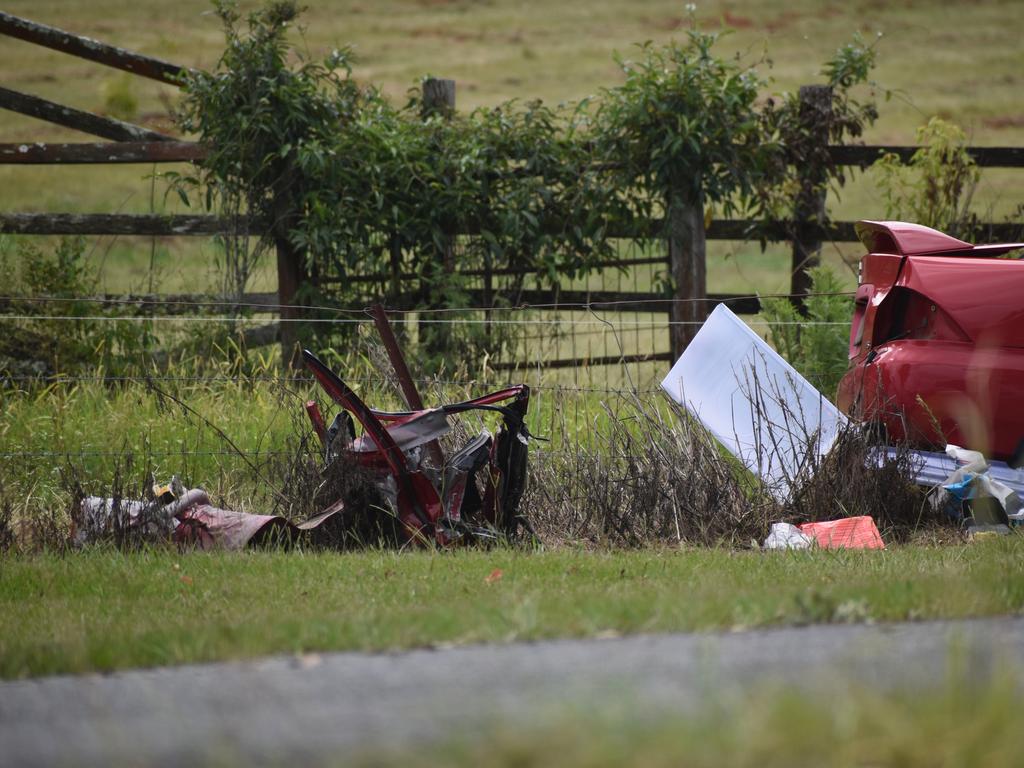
(816, 344)
(50, 327)
(358, 185)
(937, 186)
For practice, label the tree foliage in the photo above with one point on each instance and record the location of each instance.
(362, 186)
(814, 340)
(686, 123)
(937, 186)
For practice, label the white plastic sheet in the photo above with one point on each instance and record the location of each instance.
(754, 402)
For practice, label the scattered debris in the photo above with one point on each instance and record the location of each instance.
(772, 419)
(983, 494)
(186, 517)
(441, 503)
(972, 494)
(932, 468)
(972, 482)
(787, 536)
(426, 498)
(471, 496)
(858, 532)
(846, 533)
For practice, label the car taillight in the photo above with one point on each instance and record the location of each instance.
(911, 315)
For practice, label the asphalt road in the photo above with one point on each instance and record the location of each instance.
(322, 707)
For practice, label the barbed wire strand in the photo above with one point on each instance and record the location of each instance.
(584, 306)
(241, 379)
(410, 321)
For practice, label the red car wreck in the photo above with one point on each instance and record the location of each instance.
(937, 340)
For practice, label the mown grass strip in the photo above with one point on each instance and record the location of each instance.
(103, 610)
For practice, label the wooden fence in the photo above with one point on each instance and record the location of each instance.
(127, 143)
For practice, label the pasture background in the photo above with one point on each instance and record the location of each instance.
(959, 61)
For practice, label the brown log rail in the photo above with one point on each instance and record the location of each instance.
(102, 153)
(76, 119)
(92, 50)
(147, 224)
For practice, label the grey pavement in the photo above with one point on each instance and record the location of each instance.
(323, 707)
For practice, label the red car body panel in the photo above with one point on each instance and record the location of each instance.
(937, 340)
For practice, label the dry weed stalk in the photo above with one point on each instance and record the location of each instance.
(648, 475)
(846, 480)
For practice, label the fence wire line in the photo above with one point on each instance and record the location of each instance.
(127, 301)
(401, 321)
(145, 302)
(590, 305)
(69, 379)
(142, 452)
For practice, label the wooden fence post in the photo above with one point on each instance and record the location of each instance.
(809, 208)
(687, 255)
(291, 273)
(438, 97)
(438, 100)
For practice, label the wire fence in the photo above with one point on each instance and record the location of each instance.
(238, 428)
(270, 307)
(586, 346)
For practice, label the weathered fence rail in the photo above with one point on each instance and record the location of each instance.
(136, 144)
(149, 224)
(93, 50)
(102, 153)
(865, 154)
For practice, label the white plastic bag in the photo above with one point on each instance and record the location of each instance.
(786, 536)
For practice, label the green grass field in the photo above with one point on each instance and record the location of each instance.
(102, 609)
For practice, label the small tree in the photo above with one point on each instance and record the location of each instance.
(268, 127)
(687, 132)
(349, 183)
(937, 187)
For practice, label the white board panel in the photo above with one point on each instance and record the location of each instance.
(743, 392)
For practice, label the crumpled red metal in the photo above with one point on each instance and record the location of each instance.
(441, 504)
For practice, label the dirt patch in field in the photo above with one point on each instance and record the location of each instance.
(446, 34)
(1004, 121)
(736, 21)
(782, 21)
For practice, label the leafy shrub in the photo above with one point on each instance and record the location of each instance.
(815, 344)
(59, 330)
(937, 186)
(357, 185)
(686, 124)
